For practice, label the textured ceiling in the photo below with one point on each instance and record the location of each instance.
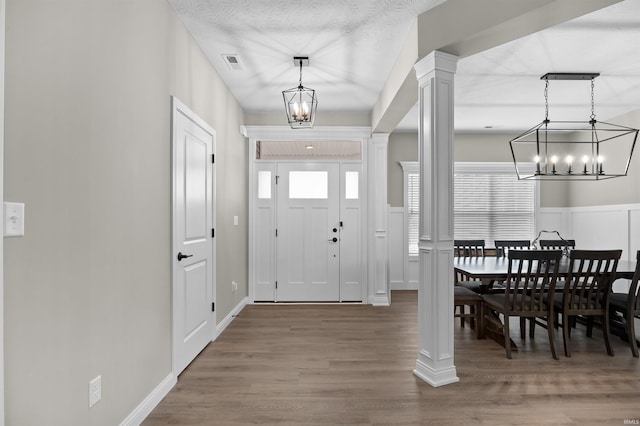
(352, 45)
(501, 88)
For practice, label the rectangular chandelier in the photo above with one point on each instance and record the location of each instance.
(573, 150)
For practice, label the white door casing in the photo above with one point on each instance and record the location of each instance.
(193, 261)
(354, 285)
(308, 222)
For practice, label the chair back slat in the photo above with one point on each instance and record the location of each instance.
(531, 280)
(468, 248)
(503, 246)
(591, 273)
(634, 300)
(557, 244)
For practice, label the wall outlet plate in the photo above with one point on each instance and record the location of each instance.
(13, 219)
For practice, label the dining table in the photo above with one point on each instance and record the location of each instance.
(490, 270)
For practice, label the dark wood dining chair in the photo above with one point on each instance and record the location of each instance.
(587, 291)
(557, 244)
(468, 248)
(503, 246)
(529, 289)
(628, 304)
(463, 297)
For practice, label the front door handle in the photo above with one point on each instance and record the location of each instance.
(183, 256)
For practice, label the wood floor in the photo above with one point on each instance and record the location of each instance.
(352, 365)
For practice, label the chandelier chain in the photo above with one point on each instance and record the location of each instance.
(546, 100)
(593, 111)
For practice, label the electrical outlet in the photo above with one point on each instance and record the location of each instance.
(95, 391)
(234, 286)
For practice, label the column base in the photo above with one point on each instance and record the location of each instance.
(381, 301)
(442, 377)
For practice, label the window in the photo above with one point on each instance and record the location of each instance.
(490, 203)
(264, 184)
(351, 185)
(308, 185)
(412, 204)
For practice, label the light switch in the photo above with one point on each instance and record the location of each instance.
(235, 220)
(13, 219)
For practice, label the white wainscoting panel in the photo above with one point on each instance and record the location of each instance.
(596, 227)
(396, 245)
(403, 273)
(600, 229)
(553, 219)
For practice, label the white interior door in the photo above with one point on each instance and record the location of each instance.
(193, 247)
(308, 228)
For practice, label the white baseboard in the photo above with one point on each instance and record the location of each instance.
(227, 320)
(150, 402)
(153, 399)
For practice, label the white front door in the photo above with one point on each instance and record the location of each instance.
(308, 232)
(193, 247)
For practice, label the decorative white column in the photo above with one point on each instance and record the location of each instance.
(379, 220)
(435, 74)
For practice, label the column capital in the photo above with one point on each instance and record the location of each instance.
(378, 138)
(436, 60)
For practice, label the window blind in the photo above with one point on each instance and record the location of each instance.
(493, 206)
(413, 211)
(490, 203)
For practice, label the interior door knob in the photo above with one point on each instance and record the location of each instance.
(183, 256)
(334, 239)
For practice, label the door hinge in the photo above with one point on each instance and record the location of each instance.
(213, 158)
(276, 232)
(213, 306)
(276, 284)
(277, 177)
(213, 233)
(341, 225)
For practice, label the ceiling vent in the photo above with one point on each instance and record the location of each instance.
(233, 62)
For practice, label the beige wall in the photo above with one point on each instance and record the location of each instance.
(402, 147)
(622, 190)
(468, 147)
(87, 148)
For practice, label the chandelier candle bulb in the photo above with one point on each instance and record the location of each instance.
(600, 161)
(569, 163)
(554, 160)
(585, 159)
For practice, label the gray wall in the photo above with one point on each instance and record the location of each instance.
(402, 147)
(87, 148)
(622, 190)
(467, 147)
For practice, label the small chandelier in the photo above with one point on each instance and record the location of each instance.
(300, 102)
(573, 150)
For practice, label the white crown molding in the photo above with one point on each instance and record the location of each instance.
(318, 132)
